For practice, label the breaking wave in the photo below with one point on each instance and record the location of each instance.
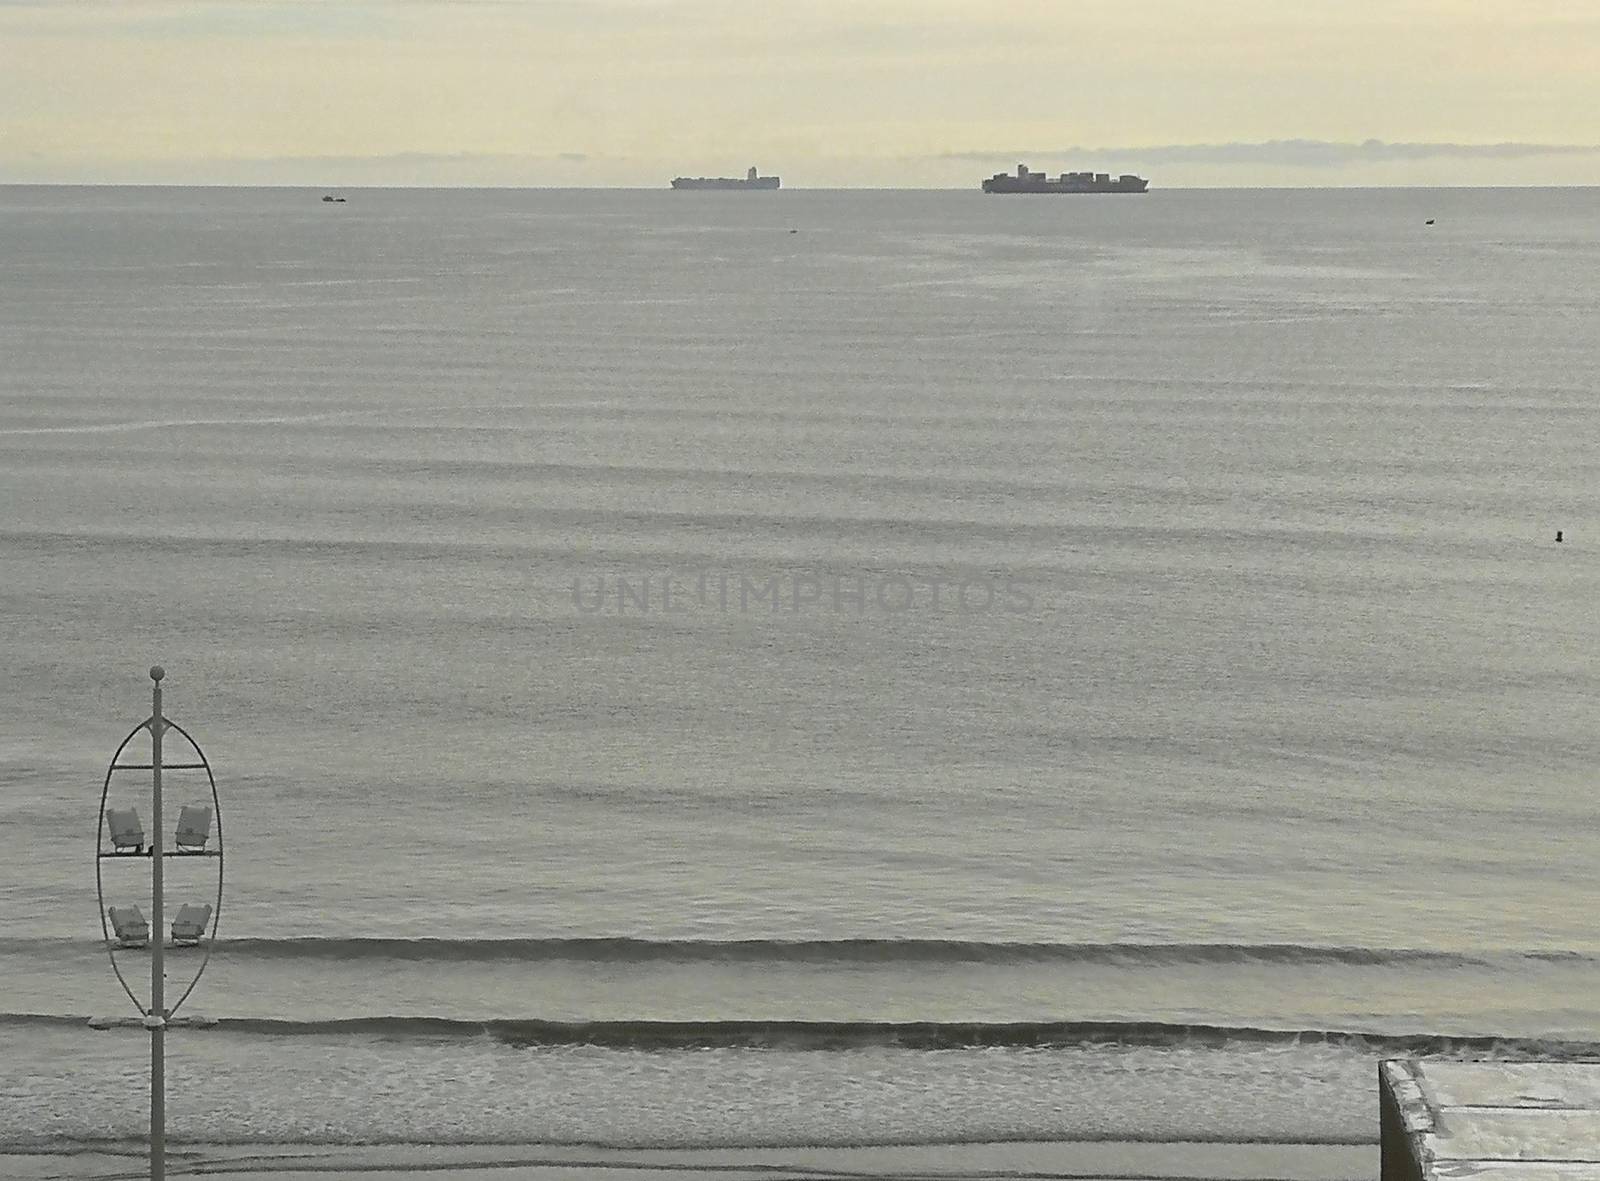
(796, 1036)
(860, 951)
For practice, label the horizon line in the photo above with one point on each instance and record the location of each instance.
(369, 186)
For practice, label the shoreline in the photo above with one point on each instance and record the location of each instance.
(1063, 1160)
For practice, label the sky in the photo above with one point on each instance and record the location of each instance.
(828, 93)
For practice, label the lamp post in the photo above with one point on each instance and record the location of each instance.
(196, 926)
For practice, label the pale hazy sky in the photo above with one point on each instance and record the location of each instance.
(827, 92)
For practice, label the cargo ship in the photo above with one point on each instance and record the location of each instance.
(752, 180)
(1068, 182)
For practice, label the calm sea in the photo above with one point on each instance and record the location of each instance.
(808, 667)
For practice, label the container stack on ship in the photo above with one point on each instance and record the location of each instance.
(752, 180)
(1068, 182)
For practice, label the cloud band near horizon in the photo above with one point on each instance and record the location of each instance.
(1306, 153)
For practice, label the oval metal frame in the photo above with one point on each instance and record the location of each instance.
(101, 857)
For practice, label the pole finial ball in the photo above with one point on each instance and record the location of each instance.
(157, 672)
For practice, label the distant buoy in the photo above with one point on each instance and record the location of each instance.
(1558, 537)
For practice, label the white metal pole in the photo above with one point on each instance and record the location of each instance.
(157, 1020)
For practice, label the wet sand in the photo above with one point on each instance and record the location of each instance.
(1100, 1161)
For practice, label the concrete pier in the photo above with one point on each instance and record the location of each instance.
(1500, 1121)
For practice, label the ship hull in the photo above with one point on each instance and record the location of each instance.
(767, 183)
(1012, 185)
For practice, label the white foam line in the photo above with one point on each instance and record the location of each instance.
(104, 428)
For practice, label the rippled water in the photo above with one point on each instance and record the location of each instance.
(932, 603)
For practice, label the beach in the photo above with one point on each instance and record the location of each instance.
(1097, 1161)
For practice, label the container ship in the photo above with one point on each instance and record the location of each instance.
(1068, 182)
(752, 180)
